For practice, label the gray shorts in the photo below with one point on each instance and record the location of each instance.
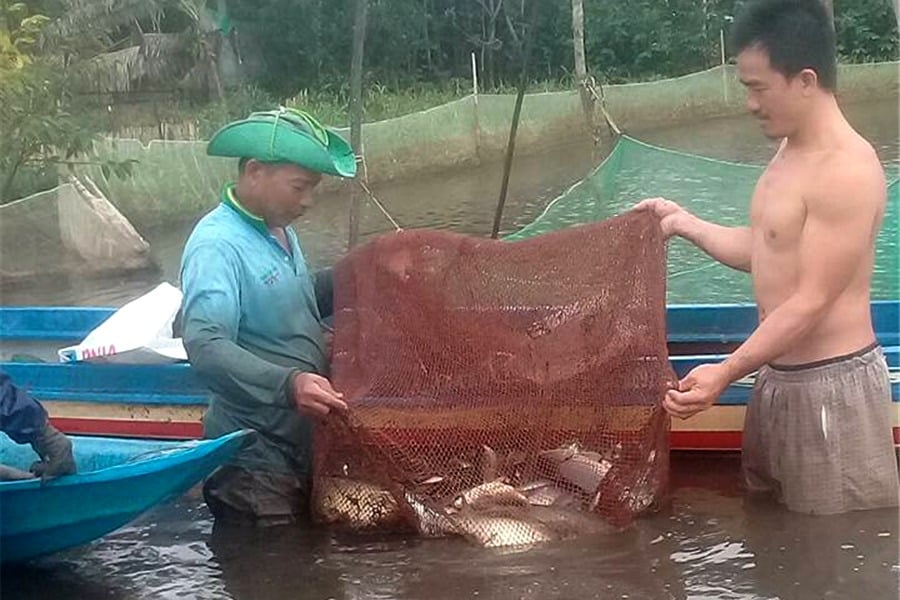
(819, 435)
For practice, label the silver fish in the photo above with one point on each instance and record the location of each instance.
(558, 455)
(584, 473)
(488, 464)
(566, 523)
(486, 495)
(498, 531)
(533, 486)
(432, 522)
(545, 493)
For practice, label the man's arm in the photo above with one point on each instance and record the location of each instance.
(836, 235)
(728, 245)
(211, 314)
(210, 318)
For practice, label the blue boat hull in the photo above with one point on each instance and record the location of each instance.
(118, 480)
(167, 401)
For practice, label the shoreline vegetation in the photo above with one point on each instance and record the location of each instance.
(73, 72)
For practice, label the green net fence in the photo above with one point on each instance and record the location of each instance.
(69, 231)
(176, 179)
(712, 189)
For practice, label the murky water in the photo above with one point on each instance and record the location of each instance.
(464, 201)
(708, 542)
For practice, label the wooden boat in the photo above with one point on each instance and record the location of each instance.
(167, 401)
(117, 480)
(707, 333)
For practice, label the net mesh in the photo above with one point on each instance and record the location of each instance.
(69, 230)
(506, 392)
(30, 237)
(471, 130)
(461, 132)
(715, 190)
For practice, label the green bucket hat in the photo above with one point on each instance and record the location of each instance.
(285, 135)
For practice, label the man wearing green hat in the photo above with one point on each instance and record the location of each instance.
(252, 313)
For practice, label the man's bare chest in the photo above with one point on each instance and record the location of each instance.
(778, 211)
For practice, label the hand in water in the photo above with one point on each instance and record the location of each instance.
(314, 396)
(671, 215)
(697, 391)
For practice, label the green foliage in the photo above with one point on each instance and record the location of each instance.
(18, 33)
(235, 105)
(34, 124)
(647, 39)
(418, 54)
(330, 104)
(305, 44)
(41, 130)
(41, 126)
(30, 180)
(866, 30)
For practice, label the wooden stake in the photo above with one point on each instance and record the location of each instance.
(356, 67)
(511, 145)
(587, 101)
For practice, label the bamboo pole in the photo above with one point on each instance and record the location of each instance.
(722, 59)
(356, 66)
(475, 108)
(520, 96)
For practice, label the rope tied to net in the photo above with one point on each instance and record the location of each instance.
(361, 159)
(709, 265)
(590, 83)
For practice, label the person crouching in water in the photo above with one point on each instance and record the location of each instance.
(25, 421)
(252, 316)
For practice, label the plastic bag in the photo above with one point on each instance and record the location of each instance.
(138, 333)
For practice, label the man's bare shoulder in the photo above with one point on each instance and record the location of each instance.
(850, 176)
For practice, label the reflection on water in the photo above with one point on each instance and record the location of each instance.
(707, 542)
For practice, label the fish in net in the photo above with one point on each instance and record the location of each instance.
(507, 392)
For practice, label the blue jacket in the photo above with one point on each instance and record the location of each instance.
(21, 416)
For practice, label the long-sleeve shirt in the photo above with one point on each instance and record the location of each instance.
(251, 316)
(21, 416)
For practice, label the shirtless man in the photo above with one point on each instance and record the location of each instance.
(818, 427)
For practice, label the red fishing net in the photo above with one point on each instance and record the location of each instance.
(508, 392)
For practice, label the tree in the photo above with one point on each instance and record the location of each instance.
(306, 44)
(829, 8)
(865, 30)
(118, 45)
(18, 34)
(38, 128)
(587, 101)
(31, 120)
